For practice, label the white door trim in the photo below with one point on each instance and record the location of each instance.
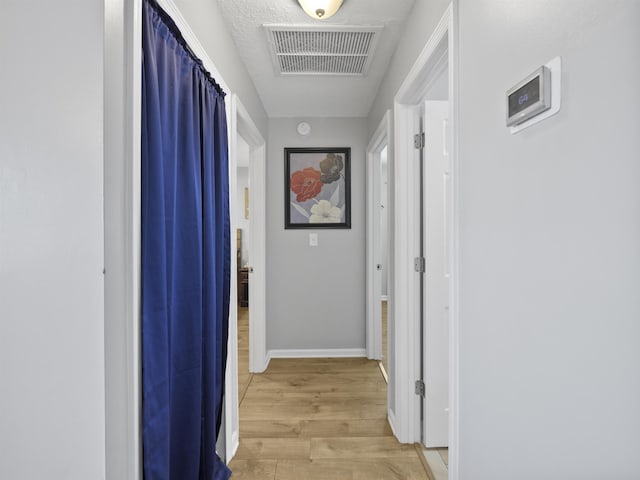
(378, 142)
(440, 50)
(246, 128)
(241, 125)
(122, 85)
(122, 220)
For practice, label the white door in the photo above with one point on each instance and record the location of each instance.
(436, 280)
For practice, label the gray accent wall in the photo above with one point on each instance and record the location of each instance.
(550, 245)
(315, 295)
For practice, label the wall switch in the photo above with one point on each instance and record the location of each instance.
(313, 239)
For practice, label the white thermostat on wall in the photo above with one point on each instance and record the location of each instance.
(530, 97)
(534, 98)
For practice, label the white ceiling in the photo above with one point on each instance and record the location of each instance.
(305, 95)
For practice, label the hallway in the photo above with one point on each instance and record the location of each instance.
(317, 419)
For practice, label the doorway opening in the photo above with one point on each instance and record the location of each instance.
(247, 167)
(243, 261)
(379, 237)
(384, 259)
(425, 258)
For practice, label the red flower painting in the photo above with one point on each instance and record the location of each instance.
(306, 184)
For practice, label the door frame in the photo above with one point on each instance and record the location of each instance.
(439, 52)
(241, 125)
(380, 139)
(122, 229)
(122, 221)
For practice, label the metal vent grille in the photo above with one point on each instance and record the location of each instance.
(322, 51)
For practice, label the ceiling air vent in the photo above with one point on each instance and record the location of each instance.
(324, 50)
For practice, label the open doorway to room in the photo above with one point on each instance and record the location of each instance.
(378, 269)
(384, 258)
(246, 348)
(243, 258)
(424, 252)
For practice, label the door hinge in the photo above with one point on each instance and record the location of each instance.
(420, 388)
(418, 140)
(419, 264)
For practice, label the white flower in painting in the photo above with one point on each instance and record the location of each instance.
(324, 212)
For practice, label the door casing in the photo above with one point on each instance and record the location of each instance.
(440, 52)
(241, 125)
(380, 139)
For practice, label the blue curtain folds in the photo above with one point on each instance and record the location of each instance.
(185, 257)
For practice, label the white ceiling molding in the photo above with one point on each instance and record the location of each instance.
(322, 50)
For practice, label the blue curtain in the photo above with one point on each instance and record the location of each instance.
(185, 257)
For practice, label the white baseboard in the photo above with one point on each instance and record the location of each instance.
(235, 443)
(265, 364)
(318, 353)
(392, 422)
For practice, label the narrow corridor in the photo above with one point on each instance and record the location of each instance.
(317, 419)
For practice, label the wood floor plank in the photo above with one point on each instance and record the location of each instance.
(273, 448)
(339, 399)
(253, 469)
(353, 469)
(343, 410)
(270, 428)
(315, 382)
(360, 447)
(272, 396)
(314, 428)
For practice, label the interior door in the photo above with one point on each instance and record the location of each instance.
(436, 280)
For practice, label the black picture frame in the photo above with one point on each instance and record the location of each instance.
(317, 188)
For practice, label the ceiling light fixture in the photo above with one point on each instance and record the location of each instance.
(320, 9)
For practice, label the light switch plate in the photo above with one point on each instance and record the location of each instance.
(313, 239)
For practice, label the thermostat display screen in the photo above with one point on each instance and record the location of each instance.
(530, 97)
(524, 97)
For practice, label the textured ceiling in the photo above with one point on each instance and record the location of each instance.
(305, 95)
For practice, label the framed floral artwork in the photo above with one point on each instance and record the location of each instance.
(317, 188)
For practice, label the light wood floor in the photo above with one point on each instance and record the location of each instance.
(306, 419)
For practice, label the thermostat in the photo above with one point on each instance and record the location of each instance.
(530, 97)
(535, 98)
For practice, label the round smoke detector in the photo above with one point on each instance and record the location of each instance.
(304, 128)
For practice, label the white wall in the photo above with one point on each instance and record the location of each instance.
(205, 19)
(315, 295)
(550, 245)
(420, 24)
(52, 421)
